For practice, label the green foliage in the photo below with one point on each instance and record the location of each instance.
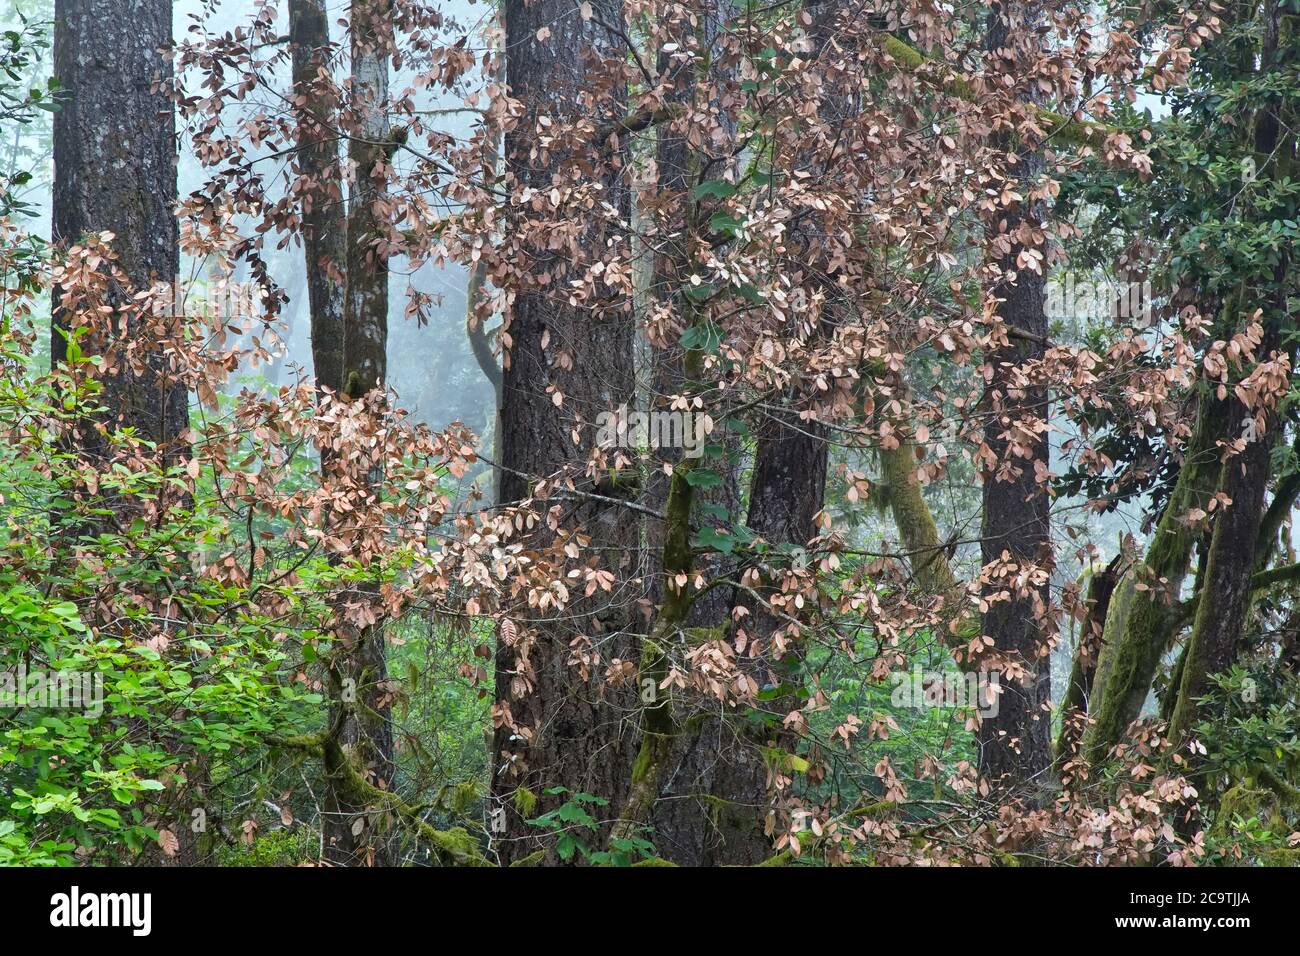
(576, 830)
(1250, 729)
(282, 847)
(171, 681)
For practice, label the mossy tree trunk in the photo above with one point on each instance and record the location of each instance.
(1141, 617)
(1074, 704)
(1220, 624)
(709, 807)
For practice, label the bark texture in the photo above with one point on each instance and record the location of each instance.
(319, 187)
(1015, 744)
(115, 170)
(580, 739)
(359, 673)
(1221, 623)
(365, 322)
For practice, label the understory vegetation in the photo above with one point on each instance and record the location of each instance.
(632, 432)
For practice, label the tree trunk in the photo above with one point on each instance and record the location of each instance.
(1221, 623)
(1015, 744)
(365, 311)
(319, 187)
(578, 741)
(1140, 621)
(359, 674)
(708, 803)
(115, 171)
(1074, 706)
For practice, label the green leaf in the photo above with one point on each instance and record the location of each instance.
(718, 540)
(715, 188)
(702, 478)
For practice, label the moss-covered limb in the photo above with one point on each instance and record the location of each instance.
(915, 522)
(454, 846)
(1259, 581)
(311, 743)
(647, 776)
(532, 859)
(1288, 794)
(1283, 574)
(1140, 622)
(1056, 126)
(658, 730)
(1101, 586)
(450, 847)
(875, 809)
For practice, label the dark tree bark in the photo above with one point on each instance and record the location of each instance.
(708, 810)
(1221, 623)
(365, 310)
(1015, 744)
(359, 674)
(115, 170)
(320, 187)
(580, 738)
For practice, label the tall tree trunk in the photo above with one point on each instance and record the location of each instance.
(320, 187)
(365, 310)
(115, 171)
(1141, 617)
(578, 739)
(708, 810)
(1221, 623)
(1015, 744)
(359, 674)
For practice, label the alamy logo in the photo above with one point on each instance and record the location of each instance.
(74, 909)
(624, 429)
(925, 689)
(1076, 298)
